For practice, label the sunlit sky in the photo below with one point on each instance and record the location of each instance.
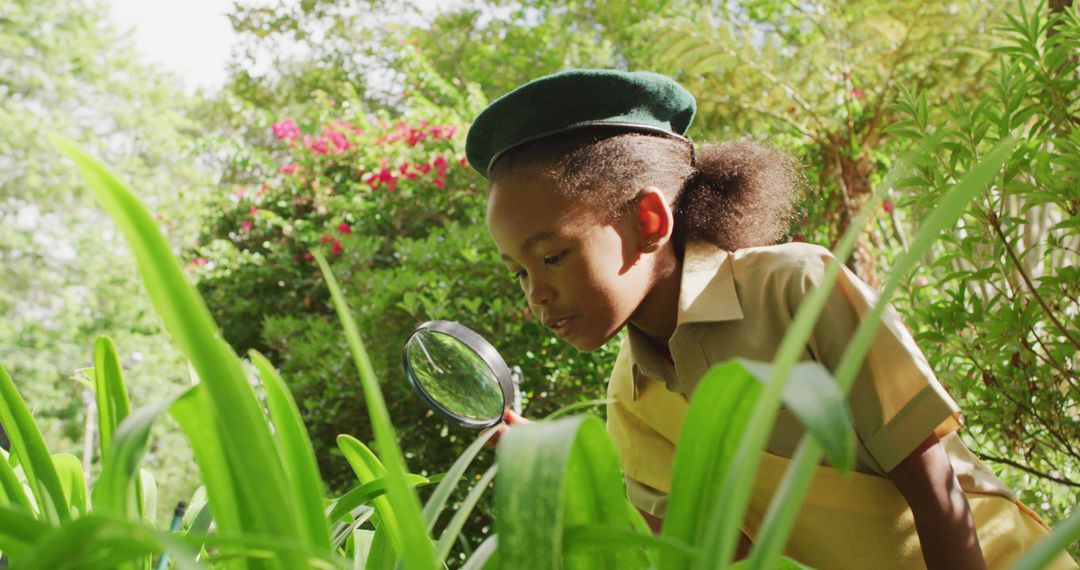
(190, 38)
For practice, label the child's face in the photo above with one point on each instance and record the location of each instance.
(581, 276)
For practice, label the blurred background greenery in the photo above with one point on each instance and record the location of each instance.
(341, 125)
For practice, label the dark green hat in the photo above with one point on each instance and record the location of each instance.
(577, 98)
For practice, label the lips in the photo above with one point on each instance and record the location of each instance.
(560, 325)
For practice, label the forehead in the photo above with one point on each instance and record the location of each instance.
(525, 202)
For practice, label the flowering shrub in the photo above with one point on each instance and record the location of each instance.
(400, 215)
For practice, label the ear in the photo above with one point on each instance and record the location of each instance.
(654, 219)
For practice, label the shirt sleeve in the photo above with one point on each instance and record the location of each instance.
(896, 401)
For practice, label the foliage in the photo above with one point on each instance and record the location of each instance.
(995, 306)
(64, 68)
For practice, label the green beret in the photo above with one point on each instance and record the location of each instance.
(577, 98)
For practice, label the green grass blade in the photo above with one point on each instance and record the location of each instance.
(419, 553)
(11, 489)
(264, 502)
(148, 499)
(1066, 533)
(297, 454)
(483, 554)
(453, 528)
(365, 493)
(19, 531)
(72, 481)
(115, 493)
(594, 537)
(813, 397)
(369, 469)
(109, 391)
(726, 516)
(554, 475)
(29, 447)
(783, 509)
(437, 501)
(98, 541)
(715, 422)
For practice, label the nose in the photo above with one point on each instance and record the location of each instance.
(539, 292)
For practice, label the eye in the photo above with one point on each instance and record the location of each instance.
(554, 259)
(520, 274)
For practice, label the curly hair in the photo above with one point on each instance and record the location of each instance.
(734, 195)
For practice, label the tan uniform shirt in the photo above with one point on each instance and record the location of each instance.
(740, 304)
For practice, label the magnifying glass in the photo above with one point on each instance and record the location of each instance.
(459, 374)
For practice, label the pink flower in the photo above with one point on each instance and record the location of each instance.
(440, 163)
(254, 210)
(320, 147)
(344, 228)
(308, 256)
(463, 161)
(424, 168)
(857, 93)
(246, 225)
(201, 261)
(887, 206)
(285, 130)
(289, 168)
(336, 247)
(338, 139)
(923, 282)
(440, 183)
(327, 239)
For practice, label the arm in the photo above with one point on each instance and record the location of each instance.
(942, 516)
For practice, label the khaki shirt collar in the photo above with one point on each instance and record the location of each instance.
(706, 294)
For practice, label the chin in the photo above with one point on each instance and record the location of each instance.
(592, 343)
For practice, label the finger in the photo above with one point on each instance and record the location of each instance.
(510, 417)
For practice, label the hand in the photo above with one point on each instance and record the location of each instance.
(509, 418)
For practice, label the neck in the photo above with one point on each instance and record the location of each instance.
(657, 314)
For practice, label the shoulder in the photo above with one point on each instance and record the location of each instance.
(787, 262)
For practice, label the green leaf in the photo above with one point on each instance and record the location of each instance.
(369, 469)
(812, 395)
(18, 532)
(434, 506)
(263, 504)
(110, 393)
(365, 493)
(72, 481)
(555, 475)
(1065, 533)
(453, 528)
(97, 541)
(418, 551)
(115, 492)
(29, 446)
(11, 489)
(297, 454)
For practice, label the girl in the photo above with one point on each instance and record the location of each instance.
(603, 212)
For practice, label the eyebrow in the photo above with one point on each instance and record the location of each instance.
(531, 241)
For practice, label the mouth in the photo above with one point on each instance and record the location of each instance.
(560, 326)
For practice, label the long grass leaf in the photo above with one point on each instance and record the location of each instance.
(369, 469)
(72, 481)
(453, 528)
(365, 493)
(11, 489)
(29, 446)
(437, 501)
(264, 500)
(783, 509)
(19, 531)
(109, 392)
(419, 553)
(554, 475)
(114, 492)
(97, 541)
(1065, 533)
(482, 556)
(297, 453)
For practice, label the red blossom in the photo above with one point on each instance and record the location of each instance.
(464, 162)
(887, 206)
(246, 225)
(327, 239)
(424, 167)
(289, 168)
(344, 228)
(308, 256)
(440, 163)
(254, 210)
(857, 93)
(440, 183)
(285, 130)
(201, 261)
(336, 247)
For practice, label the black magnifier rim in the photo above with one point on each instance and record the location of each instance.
(478, 345)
